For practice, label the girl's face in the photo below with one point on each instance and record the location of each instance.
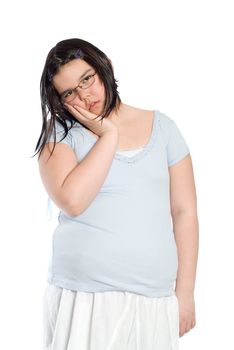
(70, 75)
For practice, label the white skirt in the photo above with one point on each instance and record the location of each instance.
(110, 320)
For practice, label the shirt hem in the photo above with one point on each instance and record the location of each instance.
(82, 287)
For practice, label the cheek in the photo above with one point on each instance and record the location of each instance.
(99, 92)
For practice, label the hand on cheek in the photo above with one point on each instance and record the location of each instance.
(72, 106)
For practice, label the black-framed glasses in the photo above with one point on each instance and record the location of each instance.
(85, 83)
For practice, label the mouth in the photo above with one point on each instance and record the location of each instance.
(93, 105)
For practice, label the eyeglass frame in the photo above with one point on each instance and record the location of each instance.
(75, 88)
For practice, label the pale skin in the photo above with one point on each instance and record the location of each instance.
(73, 186)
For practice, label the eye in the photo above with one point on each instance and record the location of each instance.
(67, 94)
(86, 79)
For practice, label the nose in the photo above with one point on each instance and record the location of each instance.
(83, 93)
(84, 96)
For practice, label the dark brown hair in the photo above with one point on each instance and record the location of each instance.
(62, 53)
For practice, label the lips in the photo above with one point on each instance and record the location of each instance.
(92, 105)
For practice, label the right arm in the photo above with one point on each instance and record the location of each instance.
(71, 185)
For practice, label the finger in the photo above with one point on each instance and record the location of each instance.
(69, 107)
(73, 110)
(80, 108)
(182, 329)
(75, 107)
(86, 112)
(77, 114)
(76, 110)
(80, 112)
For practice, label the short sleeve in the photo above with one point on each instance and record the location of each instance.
(60, 132)
(177, 147)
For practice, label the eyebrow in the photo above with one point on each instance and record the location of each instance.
(82, 76)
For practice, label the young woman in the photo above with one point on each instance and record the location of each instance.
(119, 174)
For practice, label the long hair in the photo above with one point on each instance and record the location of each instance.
(51, 105)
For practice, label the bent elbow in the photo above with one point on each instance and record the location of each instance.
(72, 210)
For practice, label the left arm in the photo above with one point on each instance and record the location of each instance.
(185, 227)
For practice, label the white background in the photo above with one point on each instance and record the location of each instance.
(175, 56)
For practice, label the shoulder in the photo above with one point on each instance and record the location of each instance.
(64, 131)
(60, 126)
(164, 119)
(175, 142)
(165, 123)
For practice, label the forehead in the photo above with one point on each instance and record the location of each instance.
(69, 74)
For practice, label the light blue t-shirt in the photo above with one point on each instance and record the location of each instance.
(124, 240)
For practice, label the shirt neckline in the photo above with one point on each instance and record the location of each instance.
(143, 152)
(131, 150)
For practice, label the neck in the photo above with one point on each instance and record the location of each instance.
(121, 114)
